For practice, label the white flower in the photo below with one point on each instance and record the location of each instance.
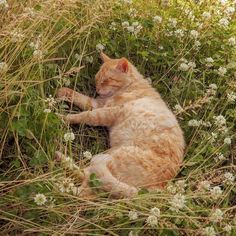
(161, 47)
(211, 91)
(40, 199)
(222, 71)
(231, 97)
(219, 120)
(173, 22)
(206, 15)
(47, 110)
(227, 141)
(197, 44)
(38, 54)
(87, 155)
(184, 67)
(224, 22)
(155, 211)
(133, 215)
(171, 189)
(232, 41)
(179, 33)
(100, 47)
(229, 10)
(194, 123)
(65, 185)
(152, 221)
(191, 65)
(69, 136)
(194, 34)
(113, 26)
(3, 67)
(227, 228)
(157, 19)
(204, 185)
(4, 3)
(216, 216)
(220, 157)
(229, 178)
(209, 231)
(17, 36)
(89, 59)
(178, 108)
(216, 192)
(68, 163)
(180, 184)
(209, 61)
(125, 24)
(177, 202)
(130, 29)
(51, 101)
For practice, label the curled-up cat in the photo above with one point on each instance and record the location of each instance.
(146, 141)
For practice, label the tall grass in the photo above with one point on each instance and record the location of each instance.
(45, 45)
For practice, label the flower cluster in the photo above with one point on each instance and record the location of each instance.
(134, 28)
(68, 137)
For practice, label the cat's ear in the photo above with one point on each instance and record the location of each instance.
(123, 65)
(104, 57)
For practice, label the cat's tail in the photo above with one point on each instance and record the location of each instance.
(68, 163)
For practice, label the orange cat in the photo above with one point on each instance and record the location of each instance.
(146, 142)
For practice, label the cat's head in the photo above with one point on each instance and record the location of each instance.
(113, 75)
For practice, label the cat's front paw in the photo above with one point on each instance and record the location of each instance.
(64, 93)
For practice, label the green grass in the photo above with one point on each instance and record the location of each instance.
(64, 36)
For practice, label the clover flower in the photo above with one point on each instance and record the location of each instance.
(216, 216)
(224, 22)
(229, 178)
(152, 220)
(194, 123)
(133, 215)
(222, 71)
(157, 19)
(155, 211)
(231, 97)
(194, 34)
(87, 155)
(204, 185)
(209, 61)
(219, 120)
(178, 202)
(65, 185)
(206, 15)
(216, 192)
(50, 101)
(69, 136)
(100, 47)
(209, 231)
(40, 199)
(47, 110)
(227, 141)
(172, 22)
